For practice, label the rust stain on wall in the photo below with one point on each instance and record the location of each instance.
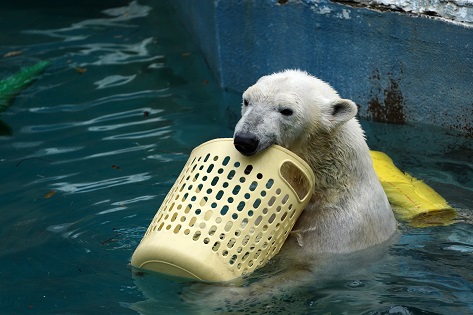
(390, 109)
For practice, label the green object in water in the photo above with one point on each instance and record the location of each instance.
(15, 83)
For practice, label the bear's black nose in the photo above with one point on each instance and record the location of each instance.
(246, 143)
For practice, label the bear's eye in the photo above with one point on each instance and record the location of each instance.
(286, 112)
(245, 102)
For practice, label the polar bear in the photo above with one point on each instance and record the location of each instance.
(348, 210)
(348, 214)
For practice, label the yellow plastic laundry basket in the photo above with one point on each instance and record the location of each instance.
(227, 214)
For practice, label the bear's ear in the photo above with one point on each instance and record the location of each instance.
(341, 111)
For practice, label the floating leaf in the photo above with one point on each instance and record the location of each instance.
(12, 53)
(50, 194)
(80, 70)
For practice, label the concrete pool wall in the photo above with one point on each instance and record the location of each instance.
(399, 65)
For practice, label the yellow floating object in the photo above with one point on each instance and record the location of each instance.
(412, 200)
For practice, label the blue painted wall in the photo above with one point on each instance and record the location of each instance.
(398, 68)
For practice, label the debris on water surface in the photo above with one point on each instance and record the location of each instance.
(80, 70)
(49, 194)
(12, 53)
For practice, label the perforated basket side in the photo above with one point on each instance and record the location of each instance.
(230, 205)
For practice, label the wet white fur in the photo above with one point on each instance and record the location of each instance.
(349, 210)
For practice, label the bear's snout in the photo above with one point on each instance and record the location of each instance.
(246, 143)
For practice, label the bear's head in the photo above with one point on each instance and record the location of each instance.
(286, 107)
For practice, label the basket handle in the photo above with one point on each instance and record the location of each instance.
(299, 179)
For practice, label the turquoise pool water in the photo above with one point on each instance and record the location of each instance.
(99, 138)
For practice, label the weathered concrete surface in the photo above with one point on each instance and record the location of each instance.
(397, 67)
(450, 10)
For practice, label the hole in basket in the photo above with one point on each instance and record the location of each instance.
(296, 179)
(241, 206)
(242, 179)
(257, 203)
(203, 201)
(238, 266)
(215, 158)
(174, 217)
(213, 205)
(245, 256)
(253, 185)
(207, 157)
(206, 240)
(233, 259)
(196, 235)
(202, 225)
(259, 176)
(216, 246)
(225, 253)
(214, 181)
(219, 195)
(250, 213)
(188, 208)
(234, 216)
(247, 196)
(237, 164)
(221, 236)
(195, 177)
(245, 240)
(258, 237)
(258, 220)
(187, 232)
(228, 226)
(236, 189)
(220, 170)
(224, 210)
(212, 230)
(231, 243)
(269, 183)
(184, 197)
(271, 201)
(192, 221)
(226, 160)
(210, 168)
(285, 199)
(225, 185)
(231, 174)
(177, 229)
(230, 199)
(248, 169)
(244, 223)
(278, 191)
(237, 233)
(208, 215)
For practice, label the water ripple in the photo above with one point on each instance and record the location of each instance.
(104, 100)
(103, 118)
(114, 80)
(118, 15)
(108, 153)
(77, 188)
(141, 134)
